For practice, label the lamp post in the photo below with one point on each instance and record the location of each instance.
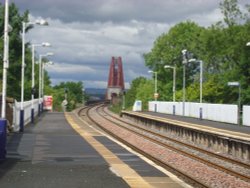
(24, 26)
(123, 100)
(3, 121)
(184, 62)
(237, 84)
(43, 67)
(174, 78)
(40, 79)
(44, 44)
(155, 94)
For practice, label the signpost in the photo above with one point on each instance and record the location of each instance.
(48, 102)
(237, 84)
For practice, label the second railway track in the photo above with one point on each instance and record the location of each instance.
(226, 166)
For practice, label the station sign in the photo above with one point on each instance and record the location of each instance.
(156, 95)
(48, 102)
(233, 83)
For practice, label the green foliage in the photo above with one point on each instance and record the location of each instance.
(15, 51)
(116, 108)
(231, 12)
(75, 94)
(73, 91)
(145, 93)
(221, 47)
(141, 89)
(131, 93)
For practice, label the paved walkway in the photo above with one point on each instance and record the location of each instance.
(51, 154)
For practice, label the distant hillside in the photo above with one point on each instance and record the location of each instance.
(96, 92)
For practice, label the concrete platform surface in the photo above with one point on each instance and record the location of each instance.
(61, 150)
(51, 154)
(203, 122)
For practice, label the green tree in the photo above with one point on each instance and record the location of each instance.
(222, 47)
(15, 50)
(145, 93)
(131, 93)
(167, 51)
(74, 92)
(231, 12)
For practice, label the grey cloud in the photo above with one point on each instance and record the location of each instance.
(85, 34)
(116, 10)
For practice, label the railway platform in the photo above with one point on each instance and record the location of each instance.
(220, 137)
(61, 150)
(204, 122)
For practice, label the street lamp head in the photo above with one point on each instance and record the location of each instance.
(248, 44)
(49, 54)
(168, 66)
(192, 60)
(150, 71)
(46, 44)
(41, 22)
(50, 63)
(184, 52)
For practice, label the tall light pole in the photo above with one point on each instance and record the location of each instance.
(3, 121)
(237, 84)
(24, 26)
(174, 78)
(184, 62)
(123, 100)
(44, 44)
(40, 79)
(155, 94)
(43, 67)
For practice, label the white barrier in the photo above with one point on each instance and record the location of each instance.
(27, 112)
(137, 106)
(216, 112)
(246, 115)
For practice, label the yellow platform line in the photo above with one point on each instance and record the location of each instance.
(131, 177)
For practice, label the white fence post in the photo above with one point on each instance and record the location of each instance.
(27, 113)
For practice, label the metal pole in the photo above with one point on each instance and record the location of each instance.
(39, 94)
(5, 59)
(239, 105)
(174, 77)
(201, 79)
(123, 100)
(3, 120)
(22, 79)
(184, 89)
(155, 85)
(42, 91)
(33, 84)
(42, 84)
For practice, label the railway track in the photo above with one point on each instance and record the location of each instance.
(187, 150)
(198, 149)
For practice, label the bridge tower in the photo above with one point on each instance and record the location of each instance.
(116, 79)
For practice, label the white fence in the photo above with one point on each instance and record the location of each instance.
(216, 112)
(27, 112)
(246, 115)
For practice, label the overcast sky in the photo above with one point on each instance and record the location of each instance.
(85, 34)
